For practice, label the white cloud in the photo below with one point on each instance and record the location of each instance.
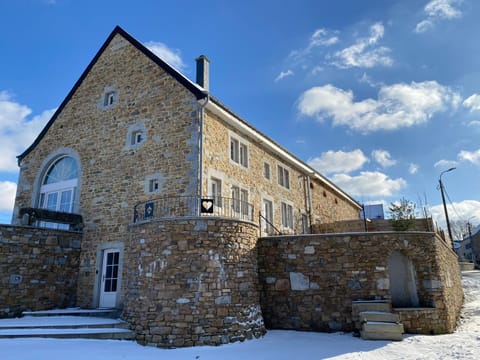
(470, 156)
(284, 74)
(472, 102)
(474, 123)
(17, 132)
(371, 184)
(8, 190)
(437, 10)
(413, 168)
(323, 37)
(338, 161)
(171, 56)
(365, 53)
(463, 211)
(320, 38)
(445, 164)
(399, 105)
(383, 157)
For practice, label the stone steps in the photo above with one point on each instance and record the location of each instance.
(64, 324)
(375, 321)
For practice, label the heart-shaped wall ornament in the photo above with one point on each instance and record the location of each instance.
(207, 204)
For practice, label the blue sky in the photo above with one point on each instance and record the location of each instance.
(379, 96)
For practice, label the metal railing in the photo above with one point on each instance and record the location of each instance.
(183, 206)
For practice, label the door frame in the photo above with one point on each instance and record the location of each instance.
(118, 246)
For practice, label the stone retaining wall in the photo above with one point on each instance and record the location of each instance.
(38, 269)
(192, 282)
(308, 282)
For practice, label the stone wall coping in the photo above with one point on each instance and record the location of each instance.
(363, 233)
(196, 218)
(6, 226)
(356, 233)
(415, 309)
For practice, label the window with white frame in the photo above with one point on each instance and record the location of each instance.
(283, 176)
(154, 185)
(238, 152)
(236, 198)
(266, 171)
(216, 191)
(58, 189)
(109, 98)
(136, 137)
(287, 215)
(239, 200)
(244, 201)
(268, 215)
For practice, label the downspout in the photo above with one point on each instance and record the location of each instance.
(309, 197)
(201, 112)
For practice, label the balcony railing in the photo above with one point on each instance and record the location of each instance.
(183, 206)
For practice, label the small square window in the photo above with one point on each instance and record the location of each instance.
(109, 98)
(137, 137)
(153, 185)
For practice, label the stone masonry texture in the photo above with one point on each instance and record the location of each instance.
(38, 269)
(113, 174)
(327, 205)
(193, 282)
(309, 282)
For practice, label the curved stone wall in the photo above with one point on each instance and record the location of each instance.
(192, 282)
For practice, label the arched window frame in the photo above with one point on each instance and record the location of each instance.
(47, 164)
(59, 195)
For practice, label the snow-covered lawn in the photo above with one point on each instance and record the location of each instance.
(276, 345)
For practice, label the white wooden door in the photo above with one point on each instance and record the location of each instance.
(109, 281)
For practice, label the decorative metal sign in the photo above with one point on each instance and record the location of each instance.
(149, 207)
(206, 206)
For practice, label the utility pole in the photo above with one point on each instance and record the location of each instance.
(444, 203)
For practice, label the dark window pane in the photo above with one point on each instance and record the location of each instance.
(109, 258)
(109, 272)
(115, 259)
(108, 285)
(114, 284)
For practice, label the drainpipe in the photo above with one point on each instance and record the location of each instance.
(201, 111)
(309, 199)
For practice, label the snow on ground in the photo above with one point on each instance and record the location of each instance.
(276, 345)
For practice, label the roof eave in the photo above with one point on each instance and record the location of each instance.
(197, 90)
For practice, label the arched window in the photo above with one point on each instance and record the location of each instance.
(59, 185)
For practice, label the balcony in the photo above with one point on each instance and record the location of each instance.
(187, 206)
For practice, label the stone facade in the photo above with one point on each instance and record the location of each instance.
(114, 173)
(309, 282)
(328, 203)
(193, 281)
(139, 130)
(38, 269)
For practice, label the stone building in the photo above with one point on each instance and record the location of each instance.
(157, 168)
(158, 200)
